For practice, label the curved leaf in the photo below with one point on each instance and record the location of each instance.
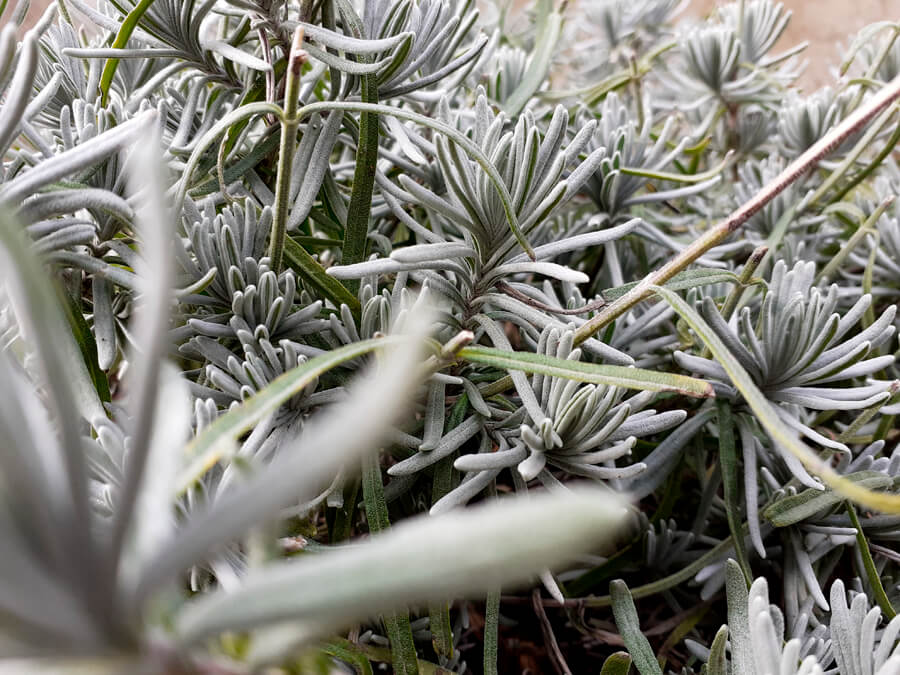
(129, 24)
(208, 447)
(416, 561)
(769, 419)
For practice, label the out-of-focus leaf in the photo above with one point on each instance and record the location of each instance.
(209, 446)
(416, 562)
(338, 437)
(67, 386)
(548, 31)
(150, 329)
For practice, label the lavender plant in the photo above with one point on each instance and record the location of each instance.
(402, 332)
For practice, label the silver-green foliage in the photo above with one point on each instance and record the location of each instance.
(286, 240)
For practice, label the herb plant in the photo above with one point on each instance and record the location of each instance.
(432, 337)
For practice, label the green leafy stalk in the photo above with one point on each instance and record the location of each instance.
(356, 231)
(309, 269)
(866, 415)
(403, 649)
(866, 227)
(694, 278)
(340, 526)
(728, 462)
(872, 165)
(443, 482)
(768, 418)
(853, 156)
(491, 632)
(629, 627)
(362, 655)
(129, 24)
(548, 29)
(348, 652)
(792, 509)
(744, 280)
(289, 125)
(872, 574)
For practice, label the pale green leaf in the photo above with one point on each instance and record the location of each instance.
(629, 627)
(796, 508)
(417, 561)
(614, 376)
(548, 31)
(210, 445)
(693, 278)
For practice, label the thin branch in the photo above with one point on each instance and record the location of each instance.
(531, 302)
(556, 655)
(289, 124)
(715, 236)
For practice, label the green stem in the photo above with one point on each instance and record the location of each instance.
(736, 220)
(290, 122)
(442, 484)
(884, 427)
(872, 70)
(403, 649)
(64, 12)
(341, 525)
(871, 571)
(731, 301)
(345, 650)
(866, 415)
(356, 230)
(888, 148)
(491, 632)
(744, 280)
(206, 140)
(849, 160)
(129, 24)
(672, 580)
(309, 269)
(728, 462)
(865, 228)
